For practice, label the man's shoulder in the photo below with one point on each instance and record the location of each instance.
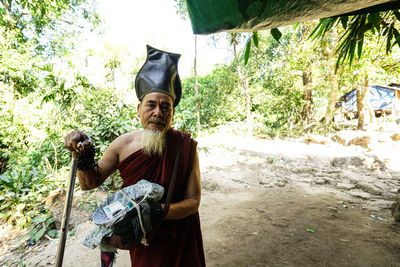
(127, 138)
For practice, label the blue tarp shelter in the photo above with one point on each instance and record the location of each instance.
(381, 99)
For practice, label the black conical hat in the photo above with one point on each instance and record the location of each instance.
(159, 74)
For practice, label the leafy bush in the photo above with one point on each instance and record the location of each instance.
(220, 101)
(21, 192)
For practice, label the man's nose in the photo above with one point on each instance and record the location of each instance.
(157, 112)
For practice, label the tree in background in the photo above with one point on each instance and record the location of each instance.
(196, 85)
(242, 74)
(372, 28)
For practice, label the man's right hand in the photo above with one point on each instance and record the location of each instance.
(77, 141)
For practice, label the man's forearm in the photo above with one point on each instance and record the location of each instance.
(182, 209)
(90, 179)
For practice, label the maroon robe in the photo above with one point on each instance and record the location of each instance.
(177, 242)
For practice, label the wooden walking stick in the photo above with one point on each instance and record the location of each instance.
(67, 210)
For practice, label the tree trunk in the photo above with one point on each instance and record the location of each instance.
(196, 85)
(361, 102)
(333, 98)
(245, 85)
(308, 104)
(333, 74)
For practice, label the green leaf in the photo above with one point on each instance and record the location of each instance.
(389, 39)
(315, 30)
(397, 36)
(276, 33)
(21, 223)
(359, 47)
(255, 39)
(310, 229)
(40, 234)
(5, 214)
(247, 52)
(323, 27)
(40, 218)
(365, 28)
(50, 221)
(374, 19)
(396, 14)
(344, 21)
(352, 50)
(385, 31)
(53, 233)
(32, 234)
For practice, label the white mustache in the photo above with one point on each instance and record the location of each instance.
(158, 121)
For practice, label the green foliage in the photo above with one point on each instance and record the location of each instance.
(181, 8)
(384, 24)
(106, 115)
(276, 33)
(21, 193)
(88, 203)
(40, 225)
(218, 101)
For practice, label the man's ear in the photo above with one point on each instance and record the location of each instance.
(138, 109)
(173, 113)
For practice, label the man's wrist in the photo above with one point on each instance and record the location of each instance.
(86, 159)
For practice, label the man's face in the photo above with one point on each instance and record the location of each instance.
(156, 111)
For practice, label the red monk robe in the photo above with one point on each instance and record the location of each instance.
(177, 242)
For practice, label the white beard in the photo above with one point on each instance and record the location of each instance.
(153, 142)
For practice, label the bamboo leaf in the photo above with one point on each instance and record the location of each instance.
(322, 28)
(389, 39)
(255, 39)
(397, 36)
(396, 14)
(315, 30)
(352, 50)
(247, 52)
(365, 28)
(385, 31)
(276, 34)
(344, 21)
(374, 18)
(359, 47)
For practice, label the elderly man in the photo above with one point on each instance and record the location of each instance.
(150, 154)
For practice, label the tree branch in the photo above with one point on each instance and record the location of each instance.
(6, 6)
(70, 23)
(19, 17)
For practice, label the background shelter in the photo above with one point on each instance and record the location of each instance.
(382, 99)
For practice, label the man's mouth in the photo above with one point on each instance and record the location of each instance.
(158, 122)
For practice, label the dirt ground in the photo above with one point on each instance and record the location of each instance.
(306, 202)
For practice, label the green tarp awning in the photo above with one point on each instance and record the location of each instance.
(211, 16)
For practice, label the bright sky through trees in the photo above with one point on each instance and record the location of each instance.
(133, 24)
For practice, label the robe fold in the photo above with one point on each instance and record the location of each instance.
(177, 242)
